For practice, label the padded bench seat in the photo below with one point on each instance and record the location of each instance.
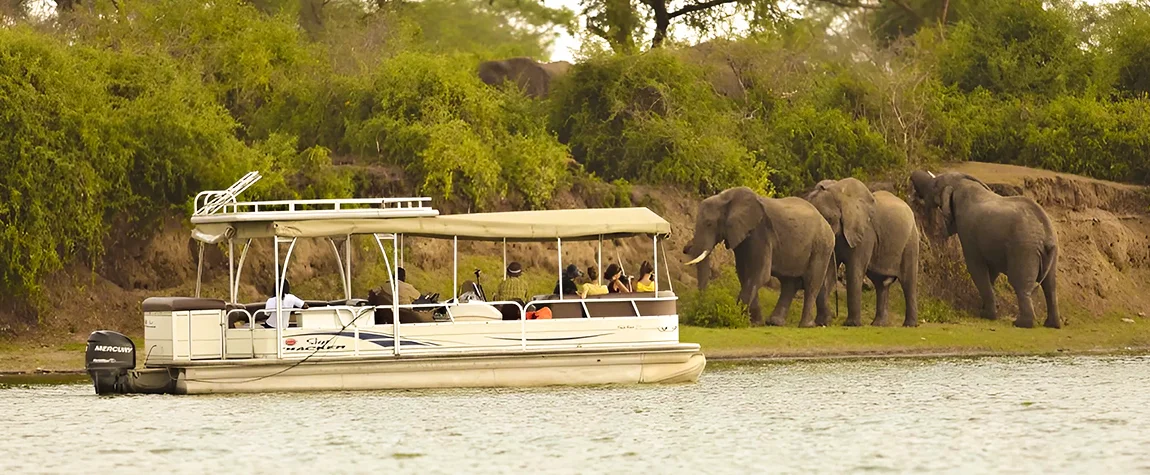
(178, 304)
(574, 309)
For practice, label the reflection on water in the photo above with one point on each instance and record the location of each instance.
(1066, 414)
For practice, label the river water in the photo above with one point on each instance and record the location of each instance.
(1062, 414)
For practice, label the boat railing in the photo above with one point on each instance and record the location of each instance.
(207, 203)
(417, 306)
(587, 314)
(225, 202)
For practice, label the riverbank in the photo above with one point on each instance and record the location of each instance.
(966, 338)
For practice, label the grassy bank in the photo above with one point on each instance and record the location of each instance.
(965, 338)
(973, 338)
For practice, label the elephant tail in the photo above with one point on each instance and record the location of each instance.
(1049, 256)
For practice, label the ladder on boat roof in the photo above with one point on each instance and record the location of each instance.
(215, 201)
(221, 205)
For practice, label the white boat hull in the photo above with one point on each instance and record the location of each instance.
(678, 363)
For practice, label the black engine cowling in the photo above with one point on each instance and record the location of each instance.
(108, 359)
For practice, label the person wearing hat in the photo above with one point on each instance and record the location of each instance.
(512, 288)
(566, 285)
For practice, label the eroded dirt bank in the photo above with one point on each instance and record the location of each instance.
(1103, 229)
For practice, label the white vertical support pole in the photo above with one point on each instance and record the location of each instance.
(231, 270)
(240, 271)
(599, 262)
(399, 258)
(395, 240)
(280, 322)
(347, 259)
(339, 262)
(455, 268)
(667, 265)
(655, 268)
(231, 299)
(504, 258)
(560, 241)
(279, 300)
(199, 272)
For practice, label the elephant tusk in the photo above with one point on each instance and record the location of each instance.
(931, 173)
(697, 259)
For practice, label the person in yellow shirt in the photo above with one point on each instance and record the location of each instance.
(592, 287)
(646, 274)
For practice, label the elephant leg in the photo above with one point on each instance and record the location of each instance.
(749, 296)
(1024, 279)
(984, 281)
(909, 282)
(812, 285)
(854, 294)
(787, 288)
(1048, 290)
(823, 315)
(882, 286)
(1025, 306)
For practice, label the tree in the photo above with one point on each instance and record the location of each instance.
(618, 22)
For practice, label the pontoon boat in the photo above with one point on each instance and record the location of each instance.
(196, 345)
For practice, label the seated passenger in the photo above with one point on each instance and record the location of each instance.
(614, 283)
(646, 274)
(407, 292)
(567, 283)
(592, 287)
(512, 288)
(289, 301)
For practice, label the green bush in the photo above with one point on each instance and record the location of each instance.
(651, 117)
(716, 307)
(806, 144)
(1016, 48)
(95, 137)
(432, 115)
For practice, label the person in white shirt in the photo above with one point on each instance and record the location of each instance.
(289, 301)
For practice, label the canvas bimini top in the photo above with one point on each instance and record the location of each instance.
(568, 224)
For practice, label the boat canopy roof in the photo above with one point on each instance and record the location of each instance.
(568, 224)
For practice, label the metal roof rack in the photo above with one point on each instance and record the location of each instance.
(219, 206)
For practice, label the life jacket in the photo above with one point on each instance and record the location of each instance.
(541, 314)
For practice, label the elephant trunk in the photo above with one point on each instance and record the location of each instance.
(700, 258)
(703, 272)
(923, 183)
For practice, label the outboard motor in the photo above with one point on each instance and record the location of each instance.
(109, 357)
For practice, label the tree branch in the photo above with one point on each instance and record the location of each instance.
(902, 4)
(698, 7)
(856, 4)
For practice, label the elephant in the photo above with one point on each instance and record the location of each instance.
(785, 238)
(533, 77)
(876, 237)
(998, 234)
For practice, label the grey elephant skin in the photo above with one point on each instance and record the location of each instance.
(785, 238)
(875, 237)
(1009, 235)
(533, 77)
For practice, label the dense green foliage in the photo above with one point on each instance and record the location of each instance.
(716, 307)
(652, 118)
(114, 115)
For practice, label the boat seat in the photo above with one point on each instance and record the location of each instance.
(574, 309)
(235, 318)
(176, 304)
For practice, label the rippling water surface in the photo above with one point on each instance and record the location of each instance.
(1066, 414)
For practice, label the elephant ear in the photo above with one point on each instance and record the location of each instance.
(947, 208)
(856, 217)
(744, 212)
